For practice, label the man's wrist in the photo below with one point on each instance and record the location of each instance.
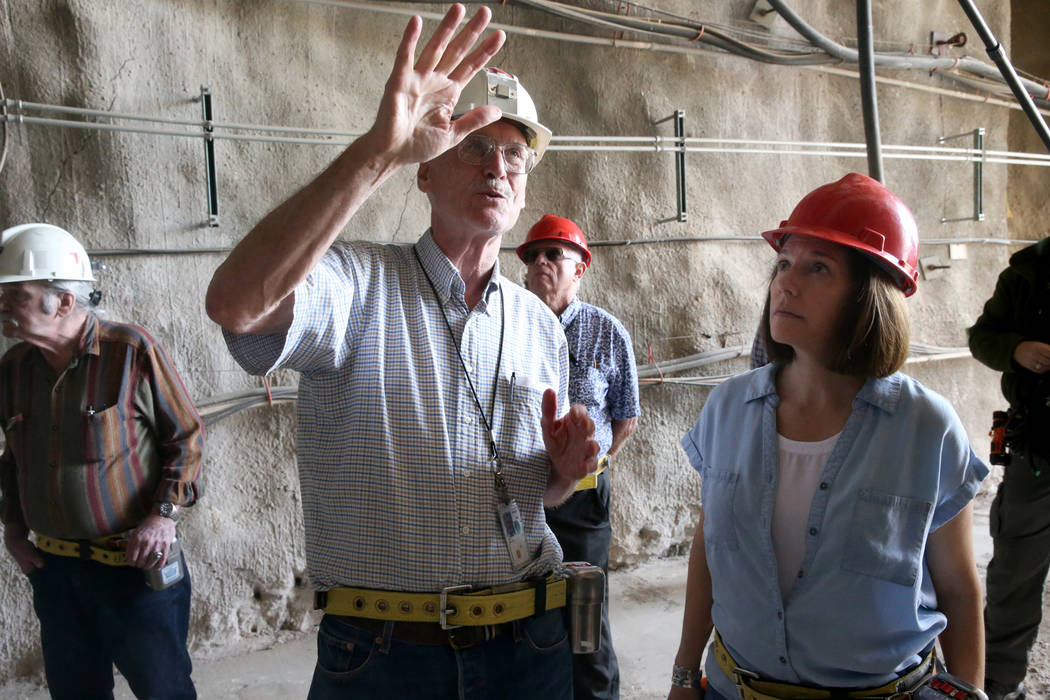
(687, 677)
(166, 509)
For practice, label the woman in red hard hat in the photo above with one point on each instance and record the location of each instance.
(834, 544)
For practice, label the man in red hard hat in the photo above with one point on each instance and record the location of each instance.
(602, 377)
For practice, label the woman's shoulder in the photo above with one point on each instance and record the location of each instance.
(913, 398)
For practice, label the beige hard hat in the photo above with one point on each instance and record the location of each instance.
(42, 252)
(492, 86)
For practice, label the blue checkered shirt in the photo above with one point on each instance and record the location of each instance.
(603, 375)
(393, 456)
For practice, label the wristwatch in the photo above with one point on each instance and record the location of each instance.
(167, 509)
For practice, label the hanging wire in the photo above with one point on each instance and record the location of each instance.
(3, 127)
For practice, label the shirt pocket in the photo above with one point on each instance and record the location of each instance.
(519, 438)
(103, 441)
(886, 537)
(717, 494)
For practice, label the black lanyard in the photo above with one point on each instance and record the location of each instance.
(494, 458)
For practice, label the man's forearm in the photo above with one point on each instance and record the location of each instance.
(264, 269)
(621, 430)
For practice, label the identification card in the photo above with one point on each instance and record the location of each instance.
(513, 533)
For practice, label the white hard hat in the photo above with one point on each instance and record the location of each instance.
(42, 252)
(492, 86)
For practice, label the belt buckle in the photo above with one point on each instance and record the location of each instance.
(741, 676)
(443, 608)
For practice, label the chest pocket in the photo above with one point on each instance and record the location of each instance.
(102, 436)
(717, 494)
(886, 537)
(520, 438)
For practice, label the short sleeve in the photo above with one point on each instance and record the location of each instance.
(319, 337)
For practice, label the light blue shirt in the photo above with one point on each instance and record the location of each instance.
(863, 605)
(603, 375)
(393, 456)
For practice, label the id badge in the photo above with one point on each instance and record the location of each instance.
(513, 533)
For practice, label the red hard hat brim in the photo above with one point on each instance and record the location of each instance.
(906, 281)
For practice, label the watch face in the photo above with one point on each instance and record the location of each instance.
(167, 509)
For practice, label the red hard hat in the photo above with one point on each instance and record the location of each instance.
(555, 228)
(863, 214)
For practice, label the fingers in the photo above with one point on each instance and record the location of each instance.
(464, 41)
(549, 408)
(434, 50)
(474, 120)
(406, 50)
(478, 57)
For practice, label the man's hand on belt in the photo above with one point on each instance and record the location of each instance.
(25, 554)
(154, 534)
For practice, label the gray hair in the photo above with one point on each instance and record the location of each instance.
(87, 298)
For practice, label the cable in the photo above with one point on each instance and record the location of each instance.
(3, 120)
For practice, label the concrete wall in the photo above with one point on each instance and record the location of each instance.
(285, 63)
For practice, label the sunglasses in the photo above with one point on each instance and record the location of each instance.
(554, 255)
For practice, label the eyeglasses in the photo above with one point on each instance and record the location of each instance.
(517, 157)
(554, 255)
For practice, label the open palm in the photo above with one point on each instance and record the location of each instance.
(414, 122)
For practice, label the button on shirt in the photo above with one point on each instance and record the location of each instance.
(90, 449)
(393, 455)
(602, 370)
(863, 606)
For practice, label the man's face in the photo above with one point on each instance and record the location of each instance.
(23, 310)
(482, 199)
(553, 270)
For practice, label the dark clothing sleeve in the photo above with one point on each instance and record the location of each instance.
(998, 331)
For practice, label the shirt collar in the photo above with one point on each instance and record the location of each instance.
(89, 342)
(882, 393)
(570, 312)
(444, 274)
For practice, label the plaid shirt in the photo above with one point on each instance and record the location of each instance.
(89, 450)
(393, 456)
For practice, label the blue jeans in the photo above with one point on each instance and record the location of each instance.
(93, 616)
(532, 662)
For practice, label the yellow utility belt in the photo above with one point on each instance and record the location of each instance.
(97, 549)
(452, 607)
(752, 687)
(591, 480)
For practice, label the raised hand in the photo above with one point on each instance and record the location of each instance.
(414, 123)
(570, 444)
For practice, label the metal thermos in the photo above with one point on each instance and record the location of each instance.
(169, 574)
(586, 593)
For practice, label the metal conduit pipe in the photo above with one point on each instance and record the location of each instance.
(998, 55)
(868, 99)
(925, 62)
(920, 62)
(601, 143)
(135, 252)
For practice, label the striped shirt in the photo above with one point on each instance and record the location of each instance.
(89, 450)
(603, 374)
(393, 456)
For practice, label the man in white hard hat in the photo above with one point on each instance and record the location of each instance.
(432, 397)
(103, 448)
(603, 377)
